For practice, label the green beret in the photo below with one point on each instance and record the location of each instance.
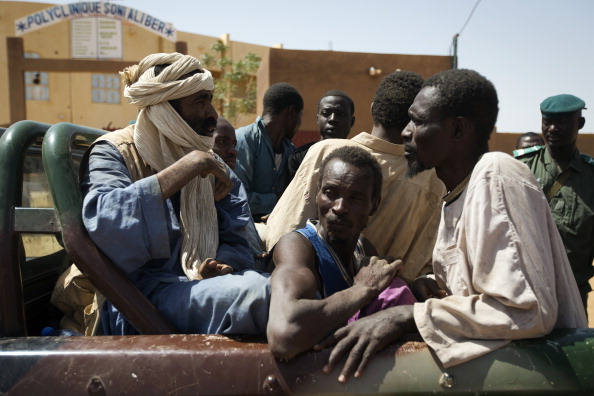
(559, 105)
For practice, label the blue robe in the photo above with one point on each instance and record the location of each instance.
(141, 233)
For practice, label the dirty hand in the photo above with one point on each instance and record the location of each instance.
(211, 268)
(208, 164)
(360, 340)
(264, 218)
(424, 288)
(378, 272)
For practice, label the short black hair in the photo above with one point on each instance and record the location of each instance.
(527, 135)
(360, 158)
(280, 96)
(466, 93)
(342, 94)
(393, 97)
(159, 68)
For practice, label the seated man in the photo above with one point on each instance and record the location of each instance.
(405, 225)
(322, 277)
(335, 118)
(157, 203)
(498, 256)
(225, 142)
(224, 146)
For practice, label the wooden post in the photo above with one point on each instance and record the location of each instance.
(16, 79)
(181, 47)
(18, 65)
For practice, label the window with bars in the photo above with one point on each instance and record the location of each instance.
(106, 88)
(36, 83)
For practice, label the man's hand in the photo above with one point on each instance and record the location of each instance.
(195, 163)
(211, 268)
(361, 339)
(209, 164)
(378, 272)
(264, 219)
(424, 288)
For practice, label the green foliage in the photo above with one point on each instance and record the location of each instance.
(235, 88)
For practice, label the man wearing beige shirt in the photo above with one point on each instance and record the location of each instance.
(405, 225)
(499, 259)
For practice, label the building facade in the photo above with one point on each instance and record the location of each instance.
(59, 63)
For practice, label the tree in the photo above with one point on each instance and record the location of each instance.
(235, 88)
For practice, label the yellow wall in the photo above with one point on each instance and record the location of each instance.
(312, 72)
(70, 97)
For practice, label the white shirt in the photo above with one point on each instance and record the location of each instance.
(499, 254)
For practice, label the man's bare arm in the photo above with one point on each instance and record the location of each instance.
(362, 339)
(193, 164)
(297, 319)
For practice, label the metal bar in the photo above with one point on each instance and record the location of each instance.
(558, 364)
(36, 221)
(13, 145)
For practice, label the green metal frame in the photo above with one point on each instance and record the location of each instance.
(13, 146)
(109, 279)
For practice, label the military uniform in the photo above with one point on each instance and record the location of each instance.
(572, 205)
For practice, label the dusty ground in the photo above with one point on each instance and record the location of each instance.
(591, 306)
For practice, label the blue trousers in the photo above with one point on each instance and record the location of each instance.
(230, 304)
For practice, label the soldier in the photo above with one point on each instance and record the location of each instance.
(567, 179)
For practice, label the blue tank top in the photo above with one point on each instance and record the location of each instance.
(332, 272)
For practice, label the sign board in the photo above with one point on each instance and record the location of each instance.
(97, 9)
(98, 38)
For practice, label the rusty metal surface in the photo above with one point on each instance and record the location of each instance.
(136, 365)
(216, 365)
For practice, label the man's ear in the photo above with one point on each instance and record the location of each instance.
(352, 121)
(582, 122)
(287, 112)
(291, 110)
(462, 127)
(374, 206)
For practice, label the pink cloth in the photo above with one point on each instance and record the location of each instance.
(398, 293)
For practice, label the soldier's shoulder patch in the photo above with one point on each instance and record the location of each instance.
(587, 159)
(529, 150)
